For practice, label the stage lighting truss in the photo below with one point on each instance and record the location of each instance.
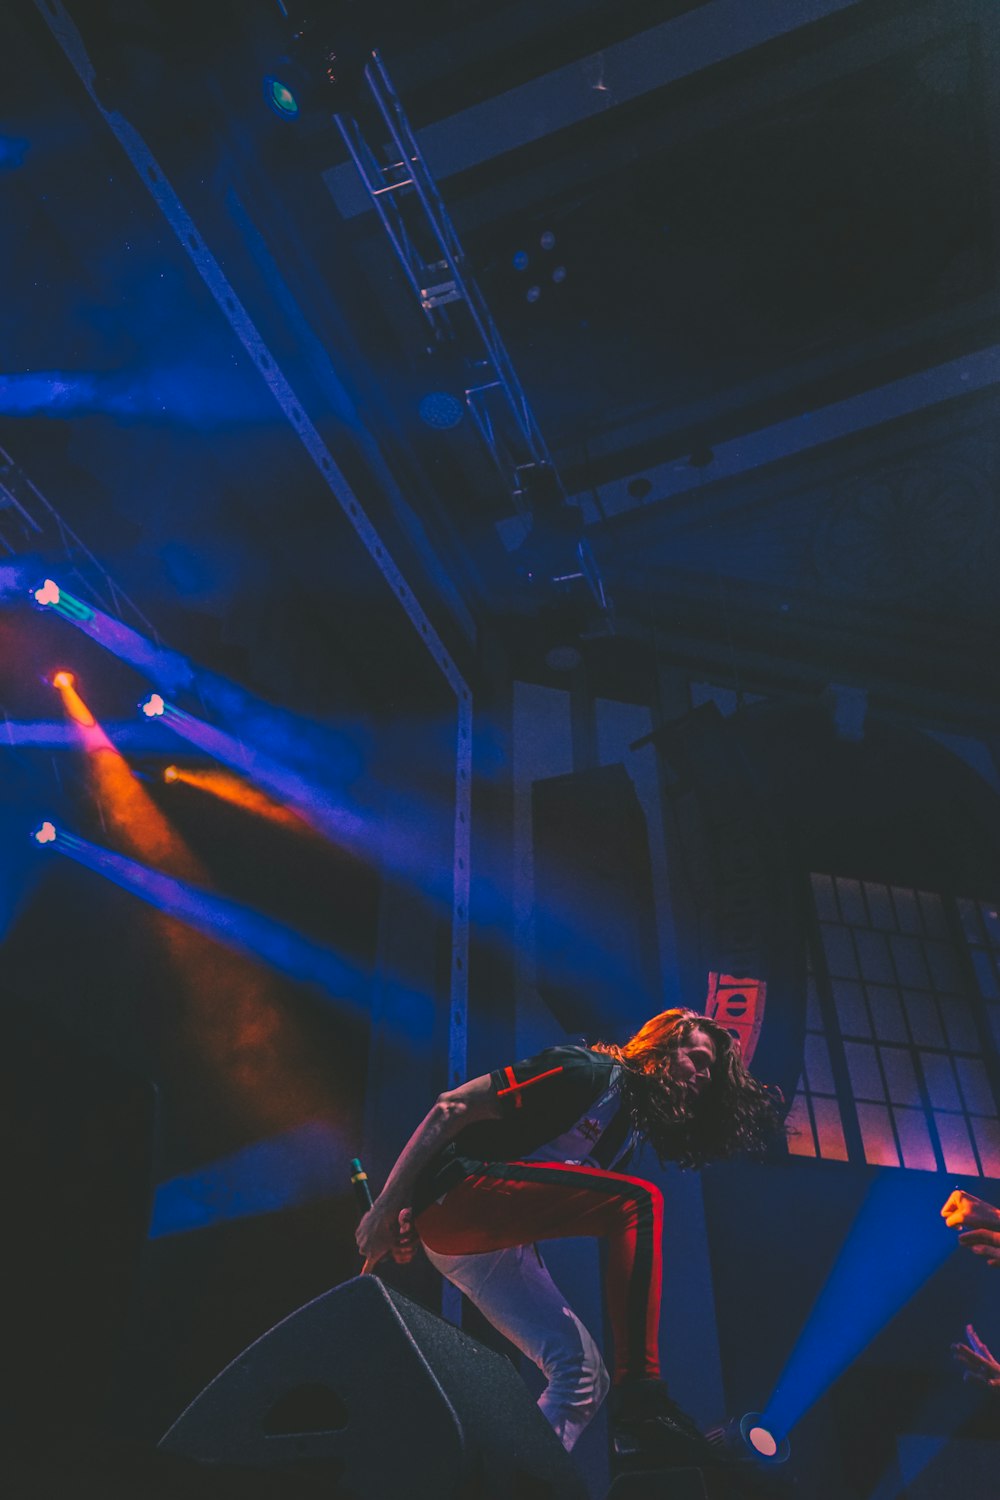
(30, 524)
(426, 245)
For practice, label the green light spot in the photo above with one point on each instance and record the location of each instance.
(281, 98)
(72, 608)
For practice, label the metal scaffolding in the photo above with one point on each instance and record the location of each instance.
(425, 242)
(30, 525)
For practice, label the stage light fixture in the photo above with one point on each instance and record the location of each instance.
(45, 833)
(171, 773)
(50, 596)
(441, 410)
(48, 593)
(520, 259)
(321, 72)
(153, 706)
(751, 1439)
(63, 680)
(285, 87)
(762, 1442)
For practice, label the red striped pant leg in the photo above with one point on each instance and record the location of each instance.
(517, 1203)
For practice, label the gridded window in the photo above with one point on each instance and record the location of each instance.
(981, 925)
(912, 1057)
(815, 1127)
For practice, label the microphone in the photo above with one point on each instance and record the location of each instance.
(359, 1181)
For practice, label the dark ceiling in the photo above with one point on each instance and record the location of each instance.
(767, 375)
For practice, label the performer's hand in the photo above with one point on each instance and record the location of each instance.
(407, 1239)
(984, 1242)
(376, 1235)
(977, 1359)
(963, 1211)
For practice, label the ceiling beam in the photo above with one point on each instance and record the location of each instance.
(664, 54)
(811, 429)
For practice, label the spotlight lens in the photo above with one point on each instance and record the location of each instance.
(441, 409)
(762, 1442)
(153, 706)
(63, 680)
(519, 260)
(48, 593)
(533, 293)
(281, 99)
(171, 773)
(547, 240)
(45, 834)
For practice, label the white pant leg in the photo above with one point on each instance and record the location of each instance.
(515, 1292)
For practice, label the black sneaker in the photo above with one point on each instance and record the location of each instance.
(647, 1426)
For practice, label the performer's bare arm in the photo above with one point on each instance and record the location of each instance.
(452, 1111)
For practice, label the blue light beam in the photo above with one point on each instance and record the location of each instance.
(237, 927)
(296, 1167)
(897, 1242)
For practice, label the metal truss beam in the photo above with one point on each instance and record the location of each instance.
(29, 523)
(426, 245)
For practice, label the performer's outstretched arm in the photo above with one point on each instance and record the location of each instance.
(452, 1111)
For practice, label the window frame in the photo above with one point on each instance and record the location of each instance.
(818, 976)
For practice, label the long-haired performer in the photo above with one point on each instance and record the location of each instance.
(539, 1151)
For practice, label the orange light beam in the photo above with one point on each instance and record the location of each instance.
(235, 1019)
(232, 789)
(127, 806)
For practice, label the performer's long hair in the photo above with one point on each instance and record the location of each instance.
(733, 1116)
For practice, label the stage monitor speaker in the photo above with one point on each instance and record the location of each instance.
(385, 1398)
